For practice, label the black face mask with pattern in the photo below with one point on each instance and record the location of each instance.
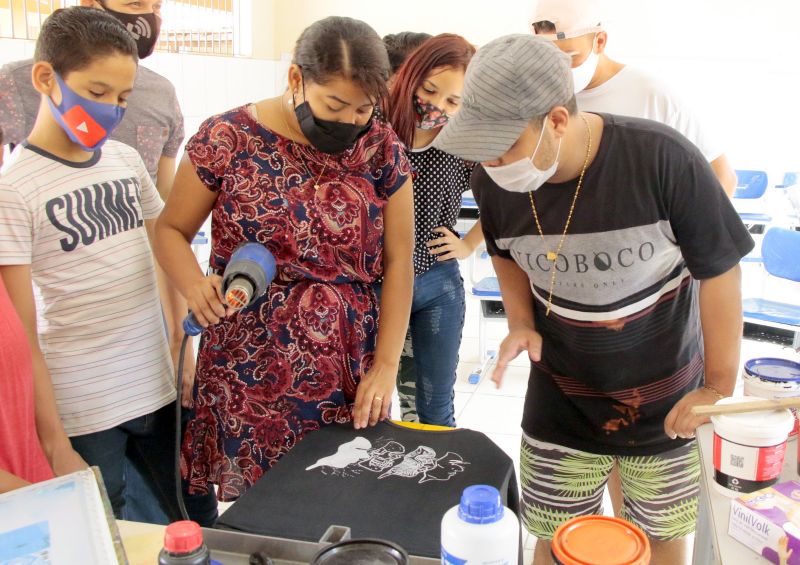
(143, 27)
(327, 136)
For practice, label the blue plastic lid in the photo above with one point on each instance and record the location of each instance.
(480, 504)
(773, 369)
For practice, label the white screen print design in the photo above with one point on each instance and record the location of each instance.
(389, 458)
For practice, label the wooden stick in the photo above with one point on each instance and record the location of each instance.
(743, 407)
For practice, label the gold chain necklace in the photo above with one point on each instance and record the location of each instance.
(552, 256)
(305, 166)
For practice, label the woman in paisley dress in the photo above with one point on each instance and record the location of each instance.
(326, 187)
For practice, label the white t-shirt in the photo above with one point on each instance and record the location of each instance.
(80, 226)
(632, 92)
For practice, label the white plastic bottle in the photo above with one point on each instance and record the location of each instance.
(480, 530)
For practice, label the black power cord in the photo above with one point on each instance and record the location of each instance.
(178, 435)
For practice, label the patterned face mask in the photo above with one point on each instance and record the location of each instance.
(429, 116)
(86, 122)
(144, 28)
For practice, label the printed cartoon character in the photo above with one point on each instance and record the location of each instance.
(419, 461)
(449, 465)
(347, 454)
(383, 457)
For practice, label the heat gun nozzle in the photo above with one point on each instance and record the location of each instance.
(239, 294)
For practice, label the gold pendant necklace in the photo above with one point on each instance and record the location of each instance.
(552, 256)
(305, 165)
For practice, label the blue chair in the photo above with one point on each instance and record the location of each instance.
(200, 239)
(486, 289)
(750, 184)
(199, 244)
(750, 204)
(790, 193)
(789, 179)
(468, 201)
(781, 253)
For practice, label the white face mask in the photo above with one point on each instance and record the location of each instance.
(523, 175)
(583, 74)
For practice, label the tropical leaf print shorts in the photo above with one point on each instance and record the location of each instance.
(559, 483)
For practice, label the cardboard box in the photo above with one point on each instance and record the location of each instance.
(768, 522)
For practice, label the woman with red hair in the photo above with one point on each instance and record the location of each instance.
(426, 91)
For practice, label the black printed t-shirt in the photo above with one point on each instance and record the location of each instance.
(623, 341)
(439, 182)
(387, 482)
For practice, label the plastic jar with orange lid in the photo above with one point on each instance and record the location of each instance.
(600, 540)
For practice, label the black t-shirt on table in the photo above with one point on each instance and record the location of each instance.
(623, 342)
(387, 482)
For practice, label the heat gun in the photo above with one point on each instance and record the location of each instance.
(246, 277)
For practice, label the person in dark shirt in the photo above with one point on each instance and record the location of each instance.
(617, 254)
(426, 92)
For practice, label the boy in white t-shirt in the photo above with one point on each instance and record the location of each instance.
(605, 85)
(77, 213)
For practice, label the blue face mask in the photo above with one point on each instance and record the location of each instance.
(86, 122)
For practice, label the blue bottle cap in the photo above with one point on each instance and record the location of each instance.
(480, 504)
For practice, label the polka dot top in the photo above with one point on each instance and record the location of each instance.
(440, 180)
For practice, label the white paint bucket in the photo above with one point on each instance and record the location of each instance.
(772, 378)
(749, 448)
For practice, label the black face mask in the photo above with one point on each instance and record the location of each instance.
(328, 137)
(143, 27)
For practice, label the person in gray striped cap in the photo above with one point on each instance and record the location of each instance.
(617, 254)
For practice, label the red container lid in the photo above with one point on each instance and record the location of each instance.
(600, 540)
(183, 537)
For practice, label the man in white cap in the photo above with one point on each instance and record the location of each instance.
(617, 254)
(605, 85)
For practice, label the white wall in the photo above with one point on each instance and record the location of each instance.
(732, 60)
(210, 85)
(477, 20)
(205, 85)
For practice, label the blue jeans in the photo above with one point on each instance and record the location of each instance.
(148, 444)
(437, 320)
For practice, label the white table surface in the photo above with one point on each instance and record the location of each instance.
(712, 543)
